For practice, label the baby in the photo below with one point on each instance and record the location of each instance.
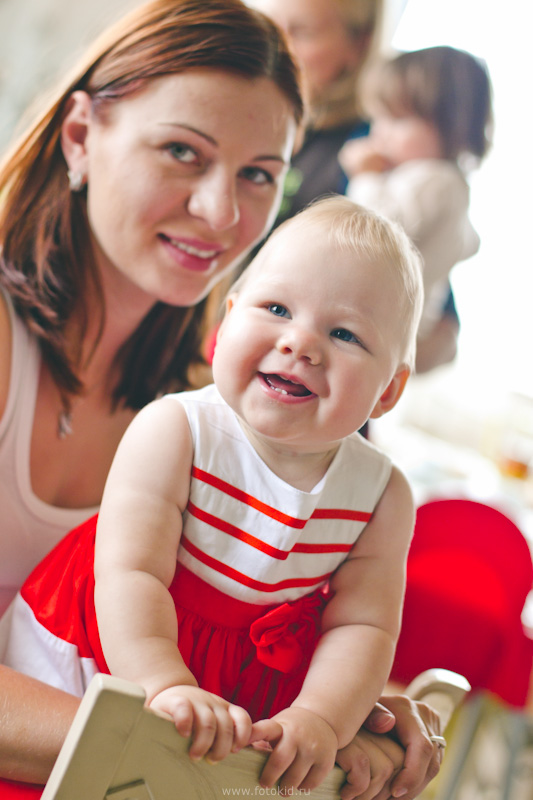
(251, 545)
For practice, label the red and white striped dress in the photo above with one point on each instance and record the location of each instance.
(252, 570)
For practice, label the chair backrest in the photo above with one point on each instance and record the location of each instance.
(475, 543)
(469, 573)
(118, 750)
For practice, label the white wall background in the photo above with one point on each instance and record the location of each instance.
(494, 290)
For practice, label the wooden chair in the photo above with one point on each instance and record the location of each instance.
(119, 750)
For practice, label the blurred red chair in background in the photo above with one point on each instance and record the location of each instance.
(468, 576)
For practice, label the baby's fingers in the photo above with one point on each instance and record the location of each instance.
(242, 727)
(224, 739)
(204, 731)
(266, 730)
(279, 761)
(179, 708)
(300, 776)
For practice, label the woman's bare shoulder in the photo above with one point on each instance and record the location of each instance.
(5, 352)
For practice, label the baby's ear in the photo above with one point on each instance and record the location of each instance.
(228, 305)
(392, 393)
(230, 302)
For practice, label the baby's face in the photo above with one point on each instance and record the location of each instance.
(404, 138)
(310, 343)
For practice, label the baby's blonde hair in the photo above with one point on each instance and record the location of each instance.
(367, 235)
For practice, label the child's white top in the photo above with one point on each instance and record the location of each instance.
(430, 198)
(29, 527)
(255, 537)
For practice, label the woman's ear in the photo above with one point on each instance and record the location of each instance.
(392, 393)
(74, 132)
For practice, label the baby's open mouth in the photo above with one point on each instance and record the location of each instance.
(284, 386)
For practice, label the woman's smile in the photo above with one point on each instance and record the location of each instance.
(198, 257)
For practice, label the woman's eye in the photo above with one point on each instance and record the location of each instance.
(345, 336)
(182, 152)
(257, 175)
(278, 310)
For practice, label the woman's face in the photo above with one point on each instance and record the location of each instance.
(318, 37)
(183, 178)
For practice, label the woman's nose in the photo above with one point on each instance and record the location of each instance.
(302, 344)
(214, 199)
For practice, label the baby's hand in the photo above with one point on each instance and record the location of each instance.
(360, 155)
(216, 726)
(304, 752)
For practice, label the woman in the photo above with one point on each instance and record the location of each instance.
(155, 169)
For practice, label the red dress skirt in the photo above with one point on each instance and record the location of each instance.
(252, 655)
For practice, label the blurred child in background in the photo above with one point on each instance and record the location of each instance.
(431, 113)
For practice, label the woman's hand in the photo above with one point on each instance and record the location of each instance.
(216, 726)
(411, 723)
(371, 761)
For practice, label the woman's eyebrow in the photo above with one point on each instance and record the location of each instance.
(212, 141)
(192, 129)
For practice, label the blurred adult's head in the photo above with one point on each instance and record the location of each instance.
(332, 41)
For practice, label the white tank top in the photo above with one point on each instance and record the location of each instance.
(29, 527)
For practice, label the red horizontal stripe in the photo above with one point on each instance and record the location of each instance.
(259, 544)
(341, 513)
(303, 547)
(273, 513)
(249, 499)
(245, 580)
(237, 533)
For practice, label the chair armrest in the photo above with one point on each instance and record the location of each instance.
(440, 688)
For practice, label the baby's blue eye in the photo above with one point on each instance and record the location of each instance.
(278, 310)
(344, 335)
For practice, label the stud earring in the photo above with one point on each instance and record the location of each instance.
(76, 181)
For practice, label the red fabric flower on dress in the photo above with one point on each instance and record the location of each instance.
(286, 636)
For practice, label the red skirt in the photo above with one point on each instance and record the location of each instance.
(252, 655)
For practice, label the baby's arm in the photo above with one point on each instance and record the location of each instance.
(138, 534)
(354, 655)
(361, 155)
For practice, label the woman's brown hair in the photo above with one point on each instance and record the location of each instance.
(46, 262)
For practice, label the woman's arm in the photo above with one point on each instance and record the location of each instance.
(34, 720)
(34, 717)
